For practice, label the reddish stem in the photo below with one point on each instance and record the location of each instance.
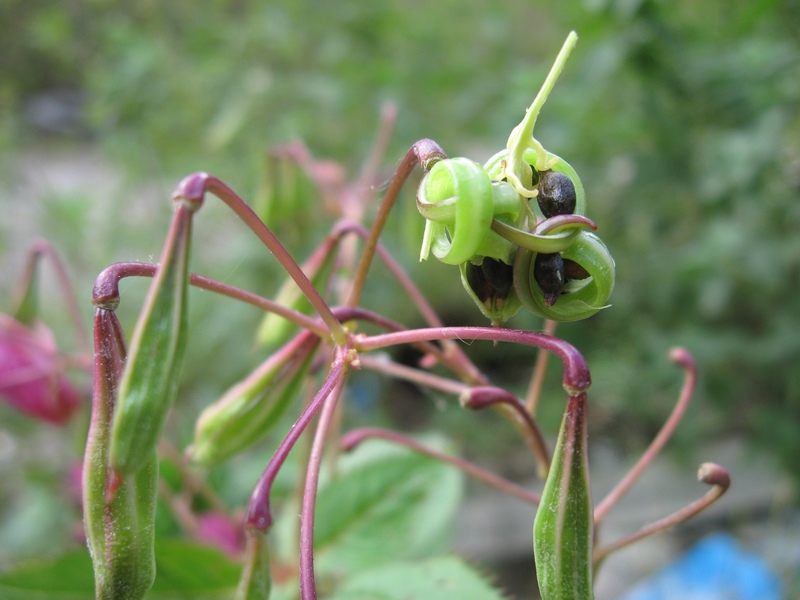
(425, 153)
(478, 398)
(258, 515)
(709, 473)
(355, 437)
(194, 187)
(576, 371)
(681, 357)
(308, 590)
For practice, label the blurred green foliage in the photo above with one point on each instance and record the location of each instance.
(680, 116)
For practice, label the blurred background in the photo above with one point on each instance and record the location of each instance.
(681, 118)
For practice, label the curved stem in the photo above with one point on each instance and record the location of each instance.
(308, 589)
(478, 398)
(709, 473)
(193, 188)
(576, 371)
(425, 153)
(259, 515)
(106, 293)
(355, 437)
(685, 360)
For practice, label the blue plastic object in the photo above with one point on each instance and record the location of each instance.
(716, 568)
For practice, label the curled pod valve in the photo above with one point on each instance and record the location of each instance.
(568, 286)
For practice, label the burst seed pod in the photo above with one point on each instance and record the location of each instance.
(150, 380)
(490, 285)
(246, 413)
(580, 297)
(563, 527)
(455, 197)
(119, 516)
(557, 195)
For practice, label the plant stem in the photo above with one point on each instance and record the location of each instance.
(539, 372)
(308, 589)
(258, 515)
(194, 187)
(709, 473)
(510, 406)
(355, 437)
(685, 360)
(576, 371)
(425, 153)
(106, 290)
(453, 356)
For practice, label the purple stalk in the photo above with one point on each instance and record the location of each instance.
(709, 473)
(681, 357)
(576, 371)
(308, 589)
(355, 437)
(453, 356)
(478, 398)
(106, 289)
(194, 187)
(258, 515)
(425, 153)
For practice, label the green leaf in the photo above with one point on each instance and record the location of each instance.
(443, 578)
(184, 571)
(385, 504)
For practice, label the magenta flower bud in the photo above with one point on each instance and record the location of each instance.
(32, 376)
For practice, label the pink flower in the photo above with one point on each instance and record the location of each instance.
(217, 529)
(31, 373)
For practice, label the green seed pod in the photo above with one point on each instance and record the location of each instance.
(256, 581)
(119, 516)
(150, 381)
(246, 413)
(563, 527)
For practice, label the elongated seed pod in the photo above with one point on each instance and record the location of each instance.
(247, 412)
(150, 381)
(563, 527)
(119, 516)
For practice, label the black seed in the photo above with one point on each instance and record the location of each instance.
(548, 271)
(499, 276)
(556, 194)
(574, 271)
(477, 281)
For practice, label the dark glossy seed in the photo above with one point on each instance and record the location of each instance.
(548, 271)
(477, 281)
(574, 271)
(556, 194)
(499, 276)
